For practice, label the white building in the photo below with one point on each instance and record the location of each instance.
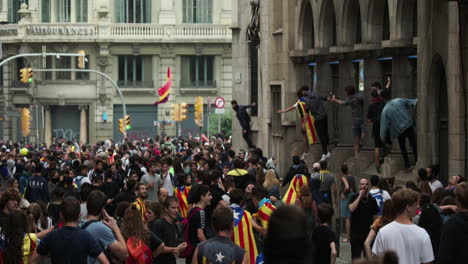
(133, 41)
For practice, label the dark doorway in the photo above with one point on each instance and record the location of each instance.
(438, 118)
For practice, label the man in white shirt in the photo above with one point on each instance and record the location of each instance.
(409, 241)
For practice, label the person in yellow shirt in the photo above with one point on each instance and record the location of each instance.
(18, 239)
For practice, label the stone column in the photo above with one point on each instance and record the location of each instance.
(83, 124)
(48, 126)
(4, 10)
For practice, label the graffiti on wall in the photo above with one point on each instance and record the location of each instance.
(138, 135)
(66, 133)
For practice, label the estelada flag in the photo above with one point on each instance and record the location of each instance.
(308, 120)
(165, 89)
(264, 212)
(294, 188)
(182, 193)
(243, 234)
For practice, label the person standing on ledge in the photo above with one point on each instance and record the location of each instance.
(396, 121)
(307, 120)
(244, 120)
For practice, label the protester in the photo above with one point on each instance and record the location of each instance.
(152, 182)
(324, 238)
(20, 238)
(314, 104)
(307, 120)
(363, 208)
(411, 243)
(348, 188)
(243, 234)
(356, 102)
(9, 201)
(287, 223)
(374, 112)
(104, 230)
(166, 229)
(142, 244)
(220, 249)
(454, 239)
(396, 122)
(388, 215)
(379, 195)
(197, 220)
(244, 120)
(69, 244)
(140, 201)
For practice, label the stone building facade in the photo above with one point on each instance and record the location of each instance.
(132, 41)
(420, 45)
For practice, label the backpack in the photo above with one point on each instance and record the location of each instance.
(186, 223)
(138, 252)
(379, 199)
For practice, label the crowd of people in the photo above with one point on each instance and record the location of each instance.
(160, 200)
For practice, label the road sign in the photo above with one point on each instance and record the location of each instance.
(219, 111)
(219, 102)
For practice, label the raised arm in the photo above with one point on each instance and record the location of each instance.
(292, 107)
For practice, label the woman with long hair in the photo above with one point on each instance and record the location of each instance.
(388, 215)
(310, 208)
(272, 185)
(38, 220)
(19, 240)
(142, 244)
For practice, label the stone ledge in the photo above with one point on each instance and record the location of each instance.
(368, 46)
(398, 43)
(341, 49)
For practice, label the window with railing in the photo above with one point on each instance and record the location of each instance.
(63, 10)
(198, 11)
(133, 11)
(198, 71)
(13, 8)
(135, 71)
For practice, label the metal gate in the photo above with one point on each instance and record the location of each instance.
(142, 122)
(66, 122)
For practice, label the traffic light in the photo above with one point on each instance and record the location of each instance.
(25, 122)
(24, 75)
(29, 74)
(127, 122)
(121, 126)
(183, 111)
(175, 113)
(199, 111)
(81, 59)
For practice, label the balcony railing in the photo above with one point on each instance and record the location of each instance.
(82, 32)
(135, 84)
(197, 84)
